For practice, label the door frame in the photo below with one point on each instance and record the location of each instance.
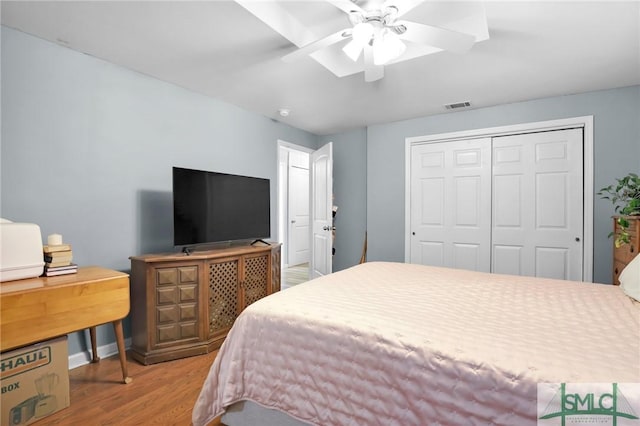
(584, 122)
(283, 196)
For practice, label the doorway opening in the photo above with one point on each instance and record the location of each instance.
(293, 212)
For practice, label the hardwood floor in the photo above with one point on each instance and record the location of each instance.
(295, 275)
(160, 394)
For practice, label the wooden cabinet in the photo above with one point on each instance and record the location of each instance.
(184, 305)
(622, 255)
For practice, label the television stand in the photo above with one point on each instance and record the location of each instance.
(185, 305)
(187, 250)
(260, 241)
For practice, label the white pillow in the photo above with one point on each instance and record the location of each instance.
(630, 279)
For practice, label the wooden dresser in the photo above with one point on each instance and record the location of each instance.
(622, 255)
(184, 305)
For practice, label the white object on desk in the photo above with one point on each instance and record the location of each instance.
(54, 240)
(20, 250)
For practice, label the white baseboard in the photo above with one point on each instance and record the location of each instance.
(104, 351)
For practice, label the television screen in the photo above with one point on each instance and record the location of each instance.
(211, 207)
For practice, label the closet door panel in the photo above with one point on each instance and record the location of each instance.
(552, 262)
(549, 206)
(430, 253)
(467, 256)
(552, 201)
(468, 193)
(507, 259)
(508, 202)
(512, 207)
(450, 204)
(432, 197)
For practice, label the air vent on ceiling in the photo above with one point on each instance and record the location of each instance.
(457, 105)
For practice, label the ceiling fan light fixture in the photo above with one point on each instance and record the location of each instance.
(387, 47)
(353, 50)
(361, 35)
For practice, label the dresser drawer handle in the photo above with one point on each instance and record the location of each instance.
(616, 271)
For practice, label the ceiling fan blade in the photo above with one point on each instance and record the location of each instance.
(346, 6)
(276, 16)
(372, 72)
(403, 6)
(317, 45)
(441, 38)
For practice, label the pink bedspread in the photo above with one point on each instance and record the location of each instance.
(399, 344)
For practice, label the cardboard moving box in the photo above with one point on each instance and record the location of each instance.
(35, 382)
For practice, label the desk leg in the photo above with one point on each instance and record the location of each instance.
(94, 345)
(117, 326)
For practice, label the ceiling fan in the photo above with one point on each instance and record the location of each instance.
(377, 33)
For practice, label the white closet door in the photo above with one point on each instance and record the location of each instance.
(451, 204)
(538, 204)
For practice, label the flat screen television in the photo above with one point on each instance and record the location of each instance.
(211, 207)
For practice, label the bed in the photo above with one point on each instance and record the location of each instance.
(386, 343)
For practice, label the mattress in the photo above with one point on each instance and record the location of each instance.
(398, 344)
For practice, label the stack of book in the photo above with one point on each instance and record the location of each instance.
(57, 260)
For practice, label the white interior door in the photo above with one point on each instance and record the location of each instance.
(538, 204)
(321, 201)
(298, 214)
(451, 204)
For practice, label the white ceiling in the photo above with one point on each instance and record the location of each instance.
(217, 48)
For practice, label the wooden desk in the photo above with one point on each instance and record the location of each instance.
(37, 309)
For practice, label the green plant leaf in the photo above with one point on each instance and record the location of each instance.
(625, 197)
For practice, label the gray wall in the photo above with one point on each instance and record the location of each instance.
(349, 187)
(616, 150)
(87, 150)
